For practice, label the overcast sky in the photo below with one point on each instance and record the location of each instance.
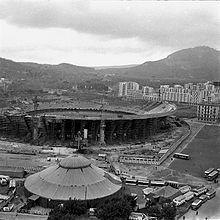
(93, 33)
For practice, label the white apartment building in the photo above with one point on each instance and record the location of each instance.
(146, 90)
(127, 87)
(152, 97)
(208, 112)
(189, 93)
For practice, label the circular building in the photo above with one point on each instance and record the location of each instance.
(70, 123)
(75, 177)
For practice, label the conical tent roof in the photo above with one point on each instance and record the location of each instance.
(74, 177)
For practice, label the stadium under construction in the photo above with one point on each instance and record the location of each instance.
(95, 125)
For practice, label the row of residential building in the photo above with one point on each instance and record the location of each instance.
(205, 95)
(189, 93)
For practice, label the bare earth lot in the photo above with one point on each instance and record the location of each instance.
(204, 151)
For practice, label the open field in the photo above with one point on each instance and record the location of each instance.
(204, 151)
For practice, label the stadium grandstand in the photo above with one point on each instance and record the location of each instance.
(72, 121)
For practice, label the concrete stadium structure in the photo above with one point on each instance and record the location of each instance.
(66, 123)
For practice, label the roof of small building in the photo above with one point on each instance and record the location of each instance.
(166, 192)
(74, 177)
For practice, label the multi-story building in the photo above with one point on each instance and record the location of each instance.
(208, 112)
(147, 90)
(188, 86)
(152, 97)
(127, 87)
(189, 93)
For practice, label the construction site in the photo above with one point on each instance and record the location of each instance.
(82, 123)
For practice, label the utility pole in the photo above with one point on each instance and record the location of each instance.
(35, 128)
(102, 124)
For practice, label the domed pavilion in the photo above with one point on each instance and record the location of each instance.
(75, 177)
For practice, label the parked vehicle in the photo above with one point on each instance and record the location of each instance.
(181, 156)
(211, 193)
(189, 195)
(137, 216)
(200, 191)
(196, 204)
(213, 175)
(207, 172)
(204, 198)
(179, 200)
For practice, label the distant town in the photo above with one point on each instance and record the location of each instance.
(206, 96)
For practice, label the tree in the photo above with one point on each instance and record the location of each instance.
(164, 209)
(169, 211)
(154, 211)
(68, 210)
(118, 208)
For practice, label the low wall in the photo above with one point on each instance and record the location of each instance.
(174, 147)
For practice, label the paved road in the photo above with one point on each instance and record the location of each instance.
(195, 130)
(19, 216)
(209, 210)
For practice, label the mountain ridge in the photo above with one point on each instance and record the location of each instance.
(197, 63)
(200, 63)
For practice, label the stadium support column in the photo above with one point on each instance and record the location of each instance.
(120, 130)
(102, 132)
(72, 129)
(127, 130)
(63, 130)
(53, 129)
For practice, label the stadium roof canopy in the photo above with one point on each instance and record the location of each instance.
(74, 177)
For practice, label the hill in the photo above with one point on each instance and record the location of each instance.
(199, 63)
(44, 75)
(193, 64)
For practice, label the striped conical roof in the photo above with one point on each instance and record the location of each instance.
(74, 177)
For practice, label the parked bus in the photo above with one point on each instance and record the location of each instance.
(196, 204)
(213, 175)
(207, 172)
(179, 200)
(181, 156)
(143, 182)
(188, 196)
(200, 191)
(211, 193)
(173, 184)
(157, 183)
(131, 181)
(204, 198)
